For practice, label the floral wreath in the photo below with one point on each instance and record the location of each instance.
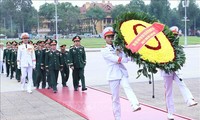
(162, 51)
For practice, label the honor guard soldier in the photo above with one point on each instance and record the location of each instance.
(168, 84)
(26, 61)
(77, 62)
(53, 64)
(65, 70)
(117, 74)
(6, 57)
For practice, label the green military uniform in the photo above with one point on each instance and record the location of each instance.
(77, 61)
(39, 75)
(13, 60)
(65, 70)
(6, 57)
(53, 65)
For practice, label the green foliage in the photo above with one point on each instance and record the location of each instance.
(95, 14)
(146, 66)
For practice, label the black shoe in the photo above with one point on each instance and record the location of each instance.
(65, 86)
(83, 89)
(54, 91)
(75, 89)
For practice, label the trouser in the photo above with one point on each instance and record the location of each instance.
(169, 91)
(13, 68)
(24, 71)
(18, 74)
(40, 76)
(78, 73)
(65, 75)
(7, 68)
(1, 66)
(115, 87)
(54, 78)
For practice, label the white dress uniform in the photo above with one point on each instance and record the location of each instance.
(26, 62)
(117, 74)
(168, 79)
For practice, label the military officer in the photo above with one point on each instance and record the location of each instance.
(53, 64)
(77, 62)
(38, 70)
(168, 84)
(26, 61)
(6, 57)
(13, 58)
(65, 70)
(117, 74)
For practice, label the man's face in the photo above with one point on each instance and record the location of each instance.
(25, 40)
(77, 42)
(53, 47)
(109, 39)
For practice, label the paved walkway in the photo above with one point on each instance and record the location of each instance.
(19, 105)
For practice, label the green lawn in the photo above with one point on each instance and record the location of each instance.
(99, 42)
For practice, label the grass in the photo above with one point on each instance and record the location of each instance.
(99, 42)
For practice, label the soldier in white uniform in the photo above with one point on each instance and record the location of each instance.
(168, 79)
(26, 61)
(117, 74)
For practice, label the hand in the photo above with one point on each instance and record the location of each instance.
(72, 67)
(33, 66)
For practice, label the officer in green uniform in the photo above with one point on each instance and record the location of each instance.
(39, 76)
(53, 64)
(65, 70)
(6, 57)
(45, 50)
(77, 62)
(13, 58)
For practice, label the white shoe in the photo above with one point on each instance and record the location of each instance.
(136, 108)
(170, 116)
(191, 103)
(29, 91)
(22, 88)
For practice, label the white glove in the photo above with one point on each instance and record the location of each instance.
(33, 66)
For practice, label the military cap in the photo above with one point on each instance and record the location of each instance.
(63, 45)
(174, 29)
(48, 40)
(76, 38)
(30, 42)
(53, 42)
(24, 35)
(108, 31)
(8, 43)
(14, 43)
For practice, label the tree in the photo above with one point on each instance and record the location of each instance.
(17, 16)
(136, 6)
(160, 9)
(192, 15)
(117, 10)
(95, 14)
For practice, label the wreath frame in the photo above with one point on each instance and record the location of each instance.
(146, 67)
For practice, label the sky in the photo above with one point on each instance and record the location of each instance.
(37, 3)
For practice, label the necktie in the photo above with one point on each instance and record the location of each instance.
(26, 45)
(113, 46)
